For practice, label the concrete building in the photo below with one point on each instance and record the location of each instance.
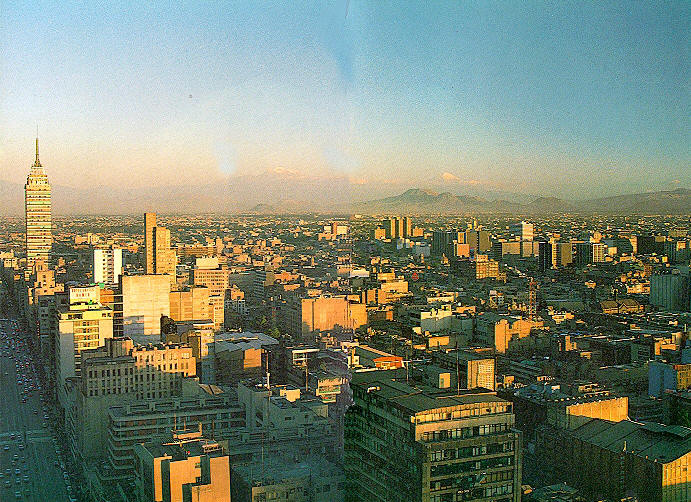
(441, 242)
(398, 227)
(304, 317)
(160, 258)
(498, 331)
(613, 460)
(140, 302)
(37, 290)
(239, 356)
(476, 369)
(284, 479)
(547, 403)
(481, 267)
(106, 265)
(363, 356)
(187, 468)
(82, 324)
(190, 304)
(664, 377)
(121, 372)
(523, 230)
(130, 424)
(547, 255)
(590, 252)
(670, 291)
(413, 443)
(216, 279)
(37, 213)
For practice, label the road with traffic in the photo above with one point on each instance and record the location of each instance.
(31, 465)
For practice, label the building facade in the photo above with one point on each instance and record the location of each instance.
(417, 444)
(160, 258)
(106, 265)
(37, 211)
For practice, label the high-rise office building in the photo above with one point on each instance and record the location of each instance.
(547, 255)
(117, 373)
(407, 227)
(588, 252)
(81, 323)
(670, 291)
(523, 230)
(106, 265)
(407, 443)
(139, 303)
(398, 227)
(37, 213)
(160, 258)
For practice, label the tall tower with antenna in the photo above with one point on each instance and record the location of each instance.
(37, 212)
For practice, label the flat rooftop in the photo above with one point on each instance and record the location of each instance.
(661, 443)
(416, 398)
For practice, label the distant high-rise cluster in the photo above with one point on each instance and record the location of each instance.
(37, 192)
(398, 227)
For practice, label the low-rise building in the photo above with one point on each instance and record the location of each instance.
(187, 468)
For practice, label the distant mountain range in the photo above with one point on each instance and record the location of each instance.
(427, 202)
(290, 195)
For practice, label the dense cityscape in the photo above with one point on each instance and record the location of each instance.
(345, 251)
(351, 357)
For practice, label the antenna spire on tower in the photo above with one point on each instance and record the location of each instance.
(37, 163)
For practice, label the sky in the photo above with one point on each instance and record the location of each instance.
(567, 99)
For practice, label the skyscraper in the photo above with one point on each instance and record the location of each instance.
(160, 258)
(37, 213)
(523, 230)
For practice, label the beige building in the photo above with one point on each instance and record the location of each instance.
(476, 369)
(120, 372)
(285, 478)
(139, 305)
(216, 279)
(190, 304)
(239, 356)
(305, 317)
(188, 468)
(37, 205)
(498, 331)
(38, 288)
(160, 258)
(81, 325)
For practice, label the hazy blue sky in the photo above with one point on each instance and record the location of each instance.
(522, 96)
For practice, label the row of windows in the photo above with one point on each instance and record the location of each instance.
(473, 493)
(470, 451)
(130, 371)
(464, 467)
(464, 482)
(465, 432)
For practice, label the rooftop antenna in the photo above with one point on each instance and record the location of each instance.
(37, 163)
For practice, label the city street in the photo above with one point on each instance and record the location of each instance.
(30, 467)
